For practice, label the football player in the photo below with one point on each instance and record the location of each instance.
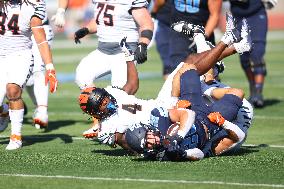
(21, 19)
(194, 129)
(35, 86)
(214, 90)
(132, 108)
(112, 21)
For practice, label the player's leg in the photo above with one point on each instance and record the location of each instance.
(93, 66)
(36, 87)
(253, 63)
(4, 108)
(16, 78)
(206, 60)
(118, 69)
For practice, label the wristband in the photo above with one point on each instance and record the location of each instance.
(49, 66)
(147, 34)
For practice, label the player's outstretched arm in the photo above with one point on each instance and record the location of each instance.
(235, 134)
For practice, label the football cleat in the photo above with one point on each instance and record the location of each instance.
(129, 56)
(4, 121)
(245, 44)
(257, 101)
(231, 35)
(40, 120)
(187, 29)
(92, 133)
(15, 142)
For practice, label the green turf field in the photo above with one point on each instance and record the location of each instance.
(61, 158)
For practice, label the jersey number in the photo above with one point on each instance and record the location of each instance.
(189, 6)
(104, 9)
(12, 24)
(132, 108)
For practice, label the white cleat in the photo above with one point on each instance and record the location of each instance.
(15, 142)
(40, 120)
(187, 29)
(231, 35)
(4, 121)
(245, 44)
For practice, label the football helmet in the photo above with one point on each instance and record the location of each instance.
(91, 99)
(144, 138)
(136, 138)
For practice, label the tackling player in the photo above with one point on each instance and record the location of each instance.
(94, 101)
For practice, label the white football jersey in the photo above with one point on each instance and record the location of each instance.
(15, 30)
(131, 111)
(114, 19)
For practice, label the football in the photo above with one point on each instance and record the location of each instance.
(172, 130)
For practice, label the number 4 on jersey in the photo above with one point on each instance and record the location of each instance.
(132, 108)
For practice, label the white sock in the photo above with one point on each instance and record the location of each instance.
(40, 89)
(16, 117)
(42, 109)
(201, 44)
(30, 90)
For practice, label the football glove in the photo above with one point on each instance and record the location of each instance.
(58, 18)
(140, 54)
(126, 50)
(80, 34)
(50, 78)
(174, 142)
(216, 117)
(183, 104)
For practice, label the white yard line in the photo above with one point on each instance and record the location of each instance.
(81, 138)
(145, 180)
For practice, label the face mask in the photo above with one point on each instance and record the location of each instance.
(111, 106)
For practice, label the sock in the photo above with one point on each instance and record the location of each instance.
(201, 44)
(16, 117)
(40, 89)
(30, 90)
(42, 109)
(258, 88)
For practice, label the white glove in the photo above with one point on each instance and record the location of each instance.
(269, 4)
(107, 138)
(59, 17)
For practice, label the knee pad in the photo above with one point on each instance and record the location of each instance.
(258, 67)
